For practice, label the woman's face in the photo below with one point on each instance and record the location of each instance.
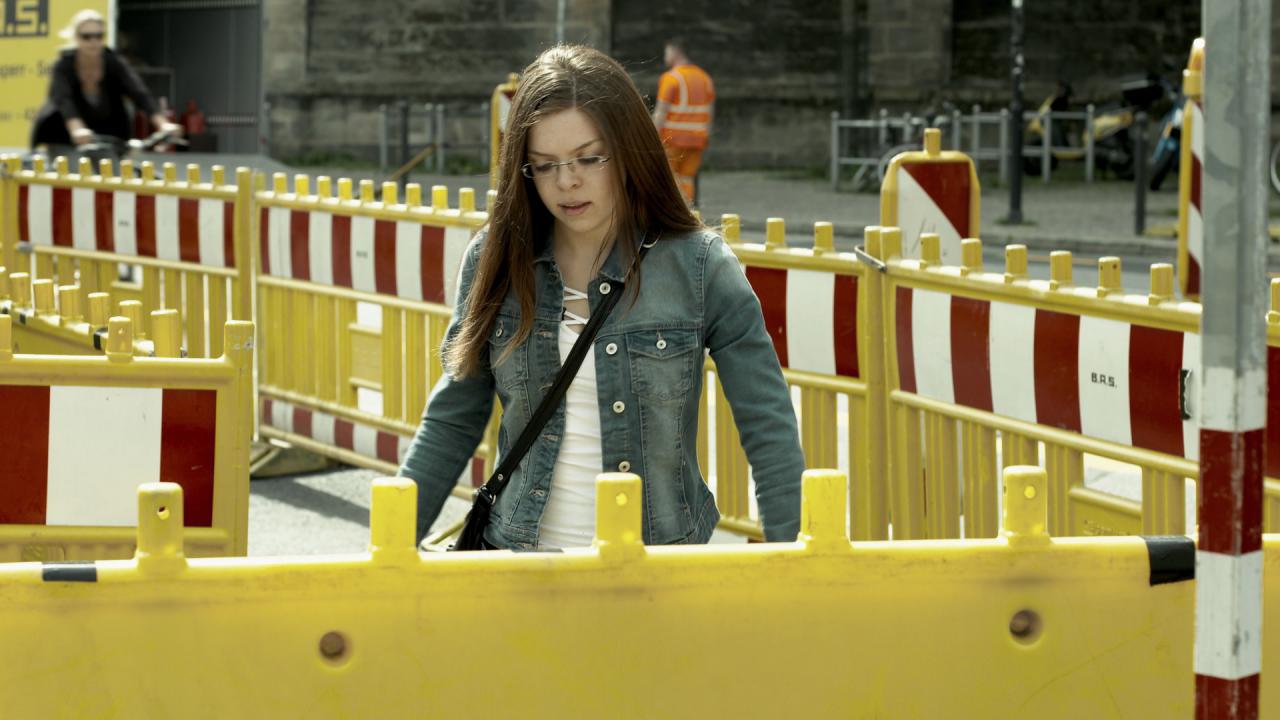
(569, 163)
(90, 37)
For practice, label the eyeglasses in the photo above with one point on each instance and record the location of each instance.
(91, 36)
(538, 171)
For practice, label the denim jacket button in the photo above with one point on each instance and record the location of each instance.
(611, 348)
(662, 344)
(605, 288)
(619, 406)
(624, 466)
(498, 332)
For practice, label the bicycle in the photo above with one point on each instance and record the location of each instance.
(106, 147)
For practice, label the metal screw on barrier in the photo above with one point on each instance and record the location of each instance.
(1025, 626)
(333, 646)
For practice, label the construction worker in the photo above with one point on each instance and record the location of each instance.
(686, 106)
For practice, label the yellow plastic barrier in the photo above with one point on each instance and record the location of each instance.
(932, 191)
(189, 237)
(1057, 371)
(1053, 628)
(79, 434)
(821, 309)
(1190, 169)
(499, 108)
(321, 258)
(43, 327)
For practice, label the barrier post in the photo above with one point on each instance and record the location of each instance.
(1190, 172)
(9, 220)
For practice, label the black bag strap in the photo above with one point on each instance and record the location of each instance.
(502, 475)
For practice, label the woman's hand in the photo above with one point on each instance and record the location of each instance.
(80, 135)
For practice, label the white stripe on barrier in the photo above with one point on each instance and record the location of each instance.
(278, 242)
(456, 240)
(365, 440)
(810, 321)
(931, 343)
(320, 247)
(212, 233)
(409, 260)
(1012, 349)
(40, 214)
(91, 482)
(83, 234)
(1191, 427)
(282, 416)
(1226, 584)
(917, 214)
(125, 224)
(322, 429)
(167, 246)
(1195, 234)
(363, 270)
(1197, 134)
(1103, 367)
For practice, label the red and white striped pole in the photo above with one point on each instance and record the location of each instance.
(1237, 106)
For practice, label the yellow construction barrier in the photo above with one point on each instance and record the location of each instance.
(43, 327)
(354, 297)
(819, 628)
(1190, 170)
(187, 239)
(1055, 370)
(931, 191)
(79, 434)
(822, 311)
(499, 108)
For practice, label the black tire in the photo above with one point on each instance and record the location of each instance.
(1161, 169)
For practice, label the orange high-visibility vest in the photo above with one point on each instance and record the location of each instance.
(691, 94)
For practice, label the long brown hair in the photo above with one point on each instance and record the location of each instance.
(561, 78)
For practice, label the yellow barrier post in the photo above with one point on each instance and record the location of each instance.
(932, 191)
(393, 521)
(499, 109)
(1190, 170)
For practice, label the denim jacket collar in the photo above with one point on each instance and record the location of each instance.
(613, 267)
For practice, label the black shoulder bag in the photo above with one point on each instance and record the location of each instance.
(472, 536)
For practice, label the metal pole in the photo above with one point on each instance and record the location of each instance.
(883, 137)
(384, 135)
(848, 66)
(975, 134)
(1233, 353)
(441, 130)
(561, 8)
(955, 130)
(835, 151)
(1015, 111)
(1005, 157)
(1088, 143)
(264, 137)
(1046, 147)
(485, 111)
(906, 128)
(1140, 174)
(404, 141)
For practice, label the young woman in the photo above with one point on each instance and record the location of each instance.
(583, 184)
(87, 89)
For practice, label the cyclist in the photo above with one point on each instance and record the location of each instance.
(87, 89)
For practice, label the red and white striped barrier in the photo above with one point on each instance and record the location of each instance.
(164, 227)
(935, 197)
(403, 259)
(1195, 215)
(811, 316)
(1101, 378)
(75, 456)
(355, 437)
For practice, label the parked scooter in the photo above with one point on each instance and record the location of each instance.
(1169, 147)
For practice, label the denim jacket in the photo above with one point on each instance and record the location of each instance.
(649, 369)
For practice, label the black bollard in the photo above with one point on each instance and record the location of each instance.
(1018, 64)
(1140, 174)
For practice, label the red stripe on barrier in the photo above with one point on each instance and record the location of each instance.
(62, 217)
(24, 445)
(299, 244)
(1196, 169)
(144, 217)
(267, 406)
(477, 472)
(1155, 369)
(906, 351)
(845, 330)
(770, 286)
(264, 239)
(1273, 412)
(344, 434)
(1193, 276)
(388, 447)
(24, 221)
(341, 234)
(432, 270)
(1218, 699)
(189, 230)
(104, 221)
(302, 422)
(229, 234)
(948, 185)
(384, 257)
(1230, 491)
(971, 352)
(1057, 360)
(188, 428)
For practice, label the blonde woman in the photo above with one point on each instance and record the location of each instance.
(87, 89)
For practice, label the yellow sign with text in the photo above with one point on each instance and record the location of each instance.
(29, 44)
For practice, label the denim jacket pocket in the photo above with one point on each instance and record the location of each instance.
(662, 362)
(509, 372)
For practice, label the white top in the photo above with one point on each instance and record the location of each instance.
(569, 519)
